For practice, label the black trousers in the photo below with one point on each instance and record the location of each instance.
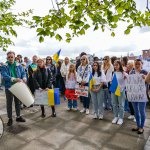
(9, 99)
(43, 109)
(131, 108)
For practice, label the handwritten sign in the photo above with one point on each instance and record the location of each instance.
(81, 90)
(41, 97)
(136, 89)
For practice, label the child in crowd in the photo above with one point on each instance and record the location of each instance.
(97, 91)
(118, 101)
(70, 88)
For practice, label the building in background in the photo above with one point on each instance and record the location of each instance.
(146, 54)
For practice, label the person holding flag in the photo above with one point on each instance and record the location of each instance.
(117, 89)
(97, 79)
(56, 56)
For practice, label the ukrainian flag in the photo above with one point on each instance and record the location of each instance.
(115, 88)
(56, 56)
(91, 81)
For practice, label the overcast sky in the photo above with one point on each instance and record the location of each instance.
(96, 42)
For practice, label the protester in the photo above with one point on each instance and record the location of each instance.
(118, 101)
(51, 66)
(130, 67)
(19, 58)
(0, 77)
(97, 91)
(83, 74)
(43, 81)
(113, 59)
(108, 69)
(64, 69)
(139, 107)
(31, 69)
(71, 80)
(12, 73)
(27, 61)
(124, 62)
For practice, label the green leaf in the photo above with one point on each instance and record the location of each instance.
(68, 35)
(86, 26)
(81, 32)
(120, 10)
(127, 31)
(96, 27)
(58, 37)
(39, 29)
(112, 34)
(68, 40)
(41, 39)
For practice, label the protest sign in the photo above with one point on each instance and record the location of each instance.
(136, 89)
(81, 90)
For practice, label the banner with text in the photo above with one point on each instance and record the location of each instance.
(81, 90)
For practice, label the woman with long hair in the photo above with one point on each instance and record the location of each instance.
(97, 91)
(42, 78)
(83, 74)
(108, 69)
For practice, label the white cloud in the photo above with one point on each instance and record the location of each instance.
(94, 42)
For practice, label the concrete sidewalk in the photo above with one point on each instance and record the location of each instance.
(70, 131)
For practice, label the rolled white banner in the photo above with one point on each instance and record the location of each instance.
(23, 93)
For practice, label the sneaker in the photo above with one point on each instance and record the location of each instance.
(101, 117)
(120, 122)
(68, 109)
(75, 109)
(10, 122)
(20, 119)
(83, 110)
(115, 120)
(53, 115)
(134, 120)
(87, 111)
(95, 116)
(131, 117)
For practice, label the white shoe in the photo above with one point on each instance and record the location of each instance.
(87, 111)
(115, 120)
(75, 109)
(131, 117)
(83, 110)
(95, 116)
(134, 120)
(120, 122)
(68, 109)
(101, 117)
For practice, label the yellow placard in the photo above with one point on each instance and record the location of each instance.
(51, 97)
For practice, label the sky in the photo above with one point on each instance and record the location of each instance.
(94, 42)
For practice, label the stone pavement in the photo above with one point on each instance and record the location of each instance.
(70, 131)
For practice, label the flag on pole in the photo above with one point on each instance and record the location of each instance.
(56, 56)
(91, 81)
(115, 88)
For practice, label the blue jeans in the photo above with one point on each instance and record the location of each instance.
(140, 113)
(72, 103)
(118, 104)
(107, 99)
(98, 100)
(126, 106)
(86, 101)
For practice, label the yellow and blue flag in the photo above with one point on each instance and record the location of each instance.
(56, 56)
(115, 88)
(91, 81)
(53, 97)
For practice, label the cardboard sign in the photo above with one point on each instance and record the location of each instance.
(136, 89)
(81, 90)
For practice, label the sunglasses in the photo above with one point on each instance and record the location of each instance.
(104, 59)
(10, 57)
(83, 59)
(48, 59)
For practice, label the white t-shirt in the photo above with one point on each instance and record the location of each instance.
(109, 73)
(100, 79)
(121, 80)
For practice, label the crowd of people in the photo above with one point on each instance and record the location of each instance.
(43, 74)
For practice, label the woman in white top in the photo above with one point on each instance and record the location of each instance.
(64, 70)
(108, 69)
(83, 74)
(118, 101)
(96, 92)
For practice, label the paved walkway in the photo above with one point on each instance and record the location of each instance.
(70, 131)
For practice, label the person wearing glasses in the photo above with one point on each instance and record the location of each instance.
(108, 69)
(52, 68)
(12, 73)
(97, 91)
(83, 74)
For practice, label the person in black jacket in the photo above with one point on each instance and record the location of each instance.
(43, 81)
(52, 68)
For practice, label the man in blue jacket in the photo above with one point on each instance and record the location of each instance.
(12, 73)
